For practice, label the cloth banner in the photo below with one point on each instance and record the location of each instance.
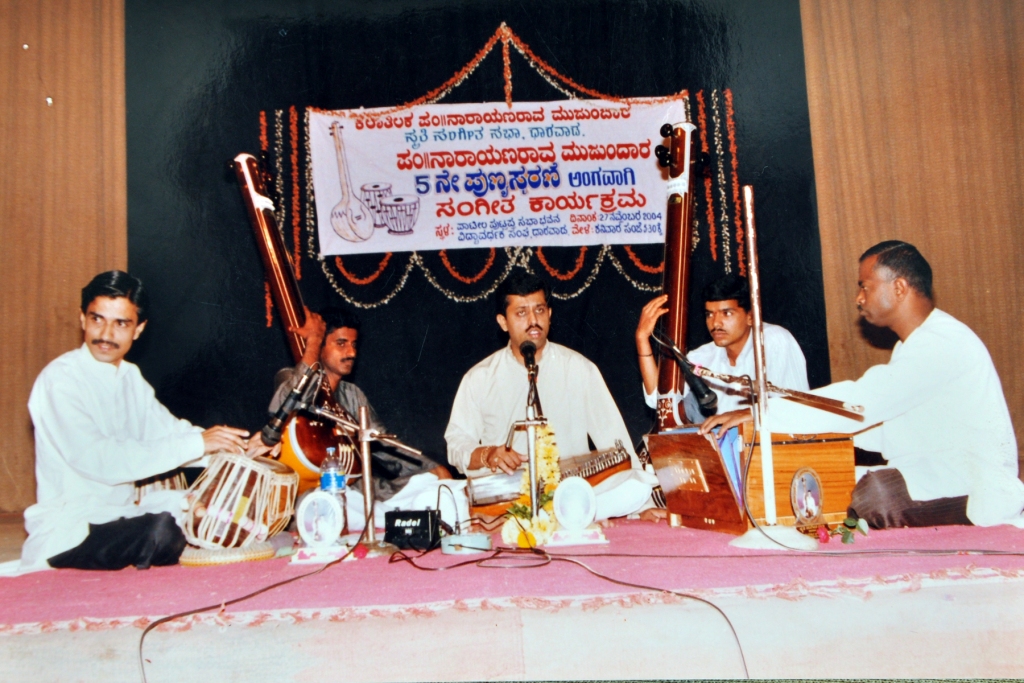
(565, 173)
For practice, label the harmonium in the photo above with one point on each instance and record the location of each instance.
(702, 477)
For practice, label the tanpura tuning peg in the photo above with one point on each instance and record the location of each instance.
(662, 154)
(666, 130)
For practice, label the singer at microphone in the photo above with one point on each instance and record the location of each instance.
(730, 351)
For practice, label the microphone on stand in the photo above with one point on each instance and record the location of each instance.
(529, 351)
(273, 431)
(707, 400)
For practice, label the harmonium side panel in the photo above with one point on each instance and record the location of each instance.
(830, 455)
(695, 483)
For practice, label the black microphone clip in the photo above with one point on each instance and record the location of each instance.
(273, 431)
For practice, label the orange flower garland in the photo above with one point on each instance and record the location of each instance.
(363, 280)
(730, 122)
(564, 277)
(462, 278)
(293, 121)
(640, 264)
(702, 120)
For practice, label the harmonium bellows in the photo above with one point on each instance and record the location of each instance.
(699, 474)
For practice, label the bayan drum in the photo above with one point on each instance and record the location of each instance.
(306, 461)
(400, 213)
(238, 501)
(373, 194)
(168, 481)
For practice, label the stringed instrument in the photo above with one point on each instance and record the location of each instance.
(307, 438)
(681, 159)
(350, 218)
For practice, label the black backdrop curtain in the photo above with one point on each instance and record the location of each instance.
(200, 73)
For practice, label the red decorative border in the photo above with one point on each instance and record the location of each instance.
(293, 120)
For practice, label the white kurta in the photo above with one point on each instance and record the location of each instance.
(936, 412)
(573, 395)
(784, 363)
(98, 429)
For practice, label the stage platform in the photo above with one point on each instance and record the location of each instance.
(795, 615)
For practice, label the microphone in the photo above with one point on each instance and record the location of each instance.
(273, 431)
(707, 400)
(529, 351)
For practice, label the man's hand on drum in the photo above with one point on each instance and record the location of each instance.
(221, 438)
(496, 458)
(255, 447)
(726, 420)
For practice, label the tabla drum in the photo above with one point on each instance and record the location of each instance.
(168, 481)
(304, 446)
(238, 501)
(400, 213)
(373, 194)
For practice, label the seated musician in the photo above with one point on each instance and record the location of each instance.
(935, 411)
(493, 393)
(730, 351)
(98, 429)
(331, 339)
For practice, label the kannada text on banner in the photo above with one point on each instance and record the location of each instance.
(567, 173)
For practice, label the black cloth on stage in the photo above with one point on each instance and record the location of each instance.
(145, 541)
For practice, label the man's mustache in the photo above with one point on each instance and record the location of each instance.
(350, 358)
(97, 342)
(535, 326)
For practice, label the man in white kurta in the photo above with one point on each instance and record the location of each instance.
(731, 351)
(935, 411)
(572, 394)
(99, 428)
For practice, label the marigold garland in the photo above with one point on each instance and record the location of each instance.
(462, 278)
(730, 122)
(268, 301)
(264, 143)
(564, 277)
(507, 72)
(723, 202)
(293, 129)
(660, 268)
(363, 280)
(702, 122)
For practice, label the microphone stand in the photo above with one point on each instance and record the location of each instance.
(367, 435)
(534, 418)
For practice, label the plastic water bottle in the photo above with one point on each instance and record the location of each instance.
(333, 481)
(330, 470)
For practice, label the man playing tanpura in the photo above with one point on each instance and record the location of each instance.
(331, 339)
(730, 351)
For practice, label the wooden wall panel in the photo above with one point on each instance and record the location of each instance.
(917, 122)
(62, 195)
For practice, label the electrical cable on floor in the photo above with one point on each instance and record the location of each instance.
(233, 601)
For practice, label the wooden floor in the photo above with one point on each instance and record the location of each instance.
(12, 535)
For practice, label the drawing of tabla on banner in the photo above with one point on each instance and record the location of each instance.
(432, 177)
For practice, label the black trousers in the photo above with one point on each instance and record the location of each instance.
(881, 498)
(144, 541)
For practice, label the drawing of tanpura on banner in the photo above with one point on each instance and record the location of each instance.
(566, 173)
